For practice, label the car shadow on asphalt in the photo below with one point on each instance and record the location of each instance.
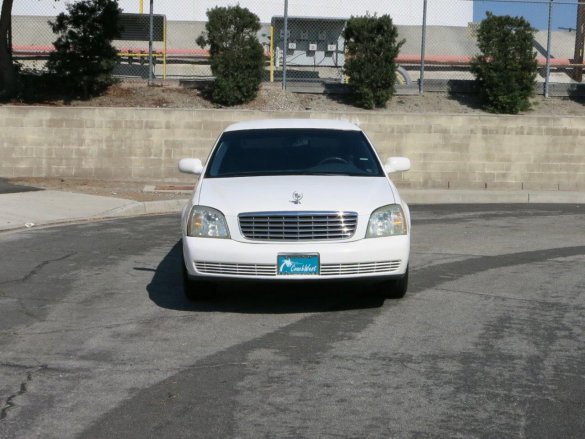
(166, 291)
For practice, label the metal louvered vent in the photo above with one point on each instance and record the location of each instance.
(236, 269)
(298, 226)
(359, 268)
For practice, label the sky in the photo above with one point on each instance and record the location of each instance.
(564, 15)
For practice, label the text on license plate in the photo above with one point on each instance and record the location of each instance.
(298, 265)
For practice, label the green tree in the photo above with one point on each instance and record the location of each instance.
(372, 46)
(506, 69)
(237, 57)
(84, 57)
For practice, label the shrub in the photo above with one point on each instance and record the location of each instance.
(371, 49)
(237, 57)
(84, 57)
(506, 69)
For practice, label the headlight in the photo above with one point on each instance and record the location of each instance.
(387, 221)
(205, 222)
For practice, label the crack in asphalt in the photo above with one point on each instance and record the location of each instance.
(46, 300)
(20, 366)
(37, 269)
(212, 403)
(461, 255)
(211, 409)
(9, 403)
(206, 390)
(512, 298)
(26, 311)
(92, 328)
(120, 367)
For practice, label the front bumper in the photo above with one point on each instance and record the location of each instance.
(225, 259)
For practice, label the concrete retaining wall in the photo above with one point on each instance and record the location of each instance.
(447, 151)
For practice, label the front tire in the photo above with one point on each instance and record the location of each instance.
(395, 288)
(196, 289)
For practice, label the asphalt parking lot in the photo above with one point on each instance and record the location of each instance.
(96, 339)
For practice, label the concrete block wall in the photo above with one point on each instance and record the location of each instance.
(447, 151)
(486, 151)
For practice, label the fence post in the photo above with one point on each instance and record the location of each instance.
(548, 42)
(421, 82)
(579, 42)
(9, 37)
(271, 53)
(285, 44)
(150, 38)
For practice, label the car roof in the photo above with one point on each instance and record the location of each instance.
(327, 124)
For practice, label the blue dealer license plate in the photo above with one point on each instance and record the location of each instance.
(295, 265)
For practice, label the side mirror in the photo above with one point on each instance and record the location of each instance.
(397, 164)
(191, 166)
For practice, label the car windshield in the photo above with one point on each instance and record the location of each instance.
(288, 151)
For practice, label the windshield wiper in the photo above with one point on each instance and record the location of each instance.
(347, 174)
(284, 173)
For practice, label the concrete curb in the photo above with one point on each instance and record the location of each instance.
(138, 208)
(412, 197)
(131, 209)
(435, 196)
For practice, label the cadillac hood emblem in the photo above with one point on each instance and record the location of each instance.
(296, 197)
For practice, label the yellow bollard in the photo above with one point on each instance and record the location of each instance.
(271, 54)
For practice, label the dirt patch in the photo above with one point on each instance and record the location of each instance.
(271, 97)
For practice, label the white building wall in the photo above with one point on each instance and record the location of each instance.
(403, 12)
(52, 8)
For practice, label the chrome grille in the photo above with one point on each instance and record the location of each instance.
(270, 269)
(239, 269)
(359, 268)
(298, 226)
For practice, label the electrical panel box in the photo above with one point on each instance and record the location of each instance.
(316, 41)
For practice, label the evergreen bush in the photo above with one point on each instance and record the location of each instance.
(371, 49)
(506, 69)
(237, 57)
(84, 57)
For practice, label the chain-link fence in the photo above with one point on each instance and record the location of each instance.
(304, 45)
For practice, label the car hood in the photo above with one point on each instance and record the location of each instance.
(319, 193)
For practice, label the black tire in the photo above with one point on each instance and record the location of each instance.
(197, 290)
(395, 288)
